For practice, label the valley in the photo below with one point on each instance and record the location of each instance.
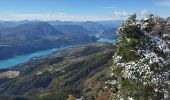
(36, 36)
(84, 50)
(77, 71)
(24, 40)
(24, 58)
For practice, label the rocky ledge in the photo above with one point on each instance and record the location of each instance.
(9, 74)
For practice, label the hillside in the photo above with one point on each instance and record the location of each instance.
(35, 36)
(110, 33)
(16, 38)
(73, 30)
(95, 27)
(78, 71)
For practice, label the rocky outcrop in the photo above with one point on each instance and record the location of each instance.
(9, 74)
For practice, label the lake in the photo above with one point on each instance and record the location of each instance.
(105, 40)
(24, 58)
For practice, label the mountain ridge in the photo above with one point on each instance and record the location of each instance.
(38, 36)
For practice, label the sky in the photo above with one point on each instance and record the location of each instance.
(80, 10)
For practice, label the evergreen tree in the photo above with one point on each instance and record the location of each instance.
(142, 60)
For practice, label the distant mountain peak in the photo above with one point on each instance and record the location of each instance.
(40, 28)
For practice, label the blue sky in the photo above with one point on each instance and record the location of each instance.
(80, 9)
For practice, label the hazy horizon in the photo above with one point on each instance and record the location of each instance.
(76, 10)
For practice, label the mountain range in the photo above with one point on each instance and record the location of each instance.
(134, 67)
(18, 38)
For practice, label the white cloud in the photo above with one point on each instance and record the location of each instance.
(125, 14)
(164, 3)
(43, 16)
(58, 16)
(67, 17)
(115, 15)
(121, 14)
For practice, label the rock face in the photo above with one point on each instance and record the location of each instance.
(9, 74)
(142, 60)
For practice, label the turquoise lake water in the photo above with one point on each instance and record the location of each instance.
(105, 40)
(24, 58)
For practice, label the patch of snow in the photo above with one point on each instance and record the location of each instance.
(39, 73)
(130, 98)
(146, 19)
(143, 66)
(112, 82)
(161, 44)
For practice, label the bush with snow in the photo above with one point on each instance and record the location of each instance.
(142, 60)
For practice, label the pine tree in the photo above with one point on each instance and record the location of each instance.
(142, 60)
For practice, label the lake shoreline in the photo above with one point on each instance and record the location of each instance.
(8, 63)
